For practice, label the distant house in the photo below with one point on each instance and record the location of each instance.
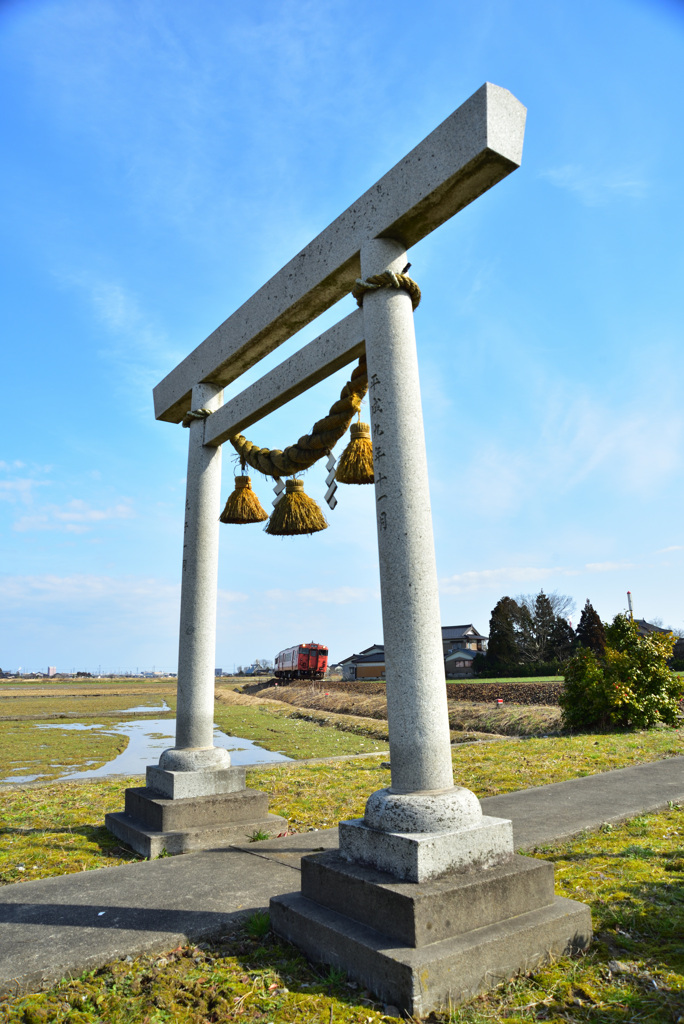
(462, 638)
(348, 665)
(645, 627)
(460, 645)
(459, 663)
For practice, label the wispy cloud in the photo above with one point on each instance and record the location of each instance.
(673, 547)
(608, 566)
(74, 517)
(85, 590)
(594, 189)
(19, 490)
(578, 438)
(487, 579)
(320, 595)
(133, 342)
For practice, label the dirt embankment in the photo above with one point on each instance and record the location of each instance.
(474, 719)
(510, 693)
(523, 693)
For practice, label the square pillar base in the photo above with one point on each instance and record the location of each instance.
(418, 856)
(420, 946)
(215, 809)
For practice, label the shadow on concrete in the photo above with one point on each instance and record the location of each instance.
(195, 924)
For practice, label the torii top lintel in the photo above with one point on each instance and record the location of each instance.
(473, 149)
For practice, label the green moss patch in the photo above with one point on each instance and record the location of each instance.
(58, 829)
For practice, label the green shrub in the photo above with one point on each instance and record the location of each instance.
(484, 670)
(629, 685)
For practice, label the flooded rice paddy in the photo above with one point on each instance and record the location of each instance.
(147, 738)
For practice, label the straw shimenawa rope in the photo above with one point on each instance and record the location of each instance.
(328, 431)
(311, 447)
(195, 414)
(388, 279)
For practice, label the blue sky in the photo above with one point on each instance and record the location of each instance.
(163, 159)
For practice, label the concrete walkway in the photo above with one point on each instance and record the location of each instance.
(54, 927)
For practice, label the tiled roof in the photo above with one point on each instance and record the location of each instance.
(372, 659)
(462, 655)
(645, 627)
(459, 632)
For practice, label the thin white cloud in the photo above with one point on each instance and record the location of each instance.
(672, 547)
(231, 596)
(594, 189)
(135, 345)
(86, 589)
(580, 438)
(486, 579)
(320, 595)
(608, 566)
(74, 517)
(19, 491)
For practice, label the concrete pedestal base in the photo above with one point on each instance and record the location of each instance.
(418, 856)
(421, 945)
(220, 812)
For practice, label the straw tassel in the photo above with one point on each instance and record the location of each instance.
(296, 513)
(356, 461)
(243, 506)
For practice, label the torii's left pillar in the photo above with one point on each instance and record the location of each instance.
(194, 799)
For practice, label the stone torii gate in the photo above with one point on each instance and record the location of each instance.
(425, 900)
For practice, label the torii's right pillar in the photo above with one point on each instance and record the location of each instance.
(425, 902)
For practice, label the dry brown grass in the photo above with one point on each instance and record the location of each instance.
(485, 720)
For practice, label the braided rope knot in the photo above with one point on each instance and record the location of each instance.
(388, 279)
(195, 414)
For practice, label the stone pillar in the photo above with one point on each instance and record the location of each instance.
(422, 798)
(194, 799)
(425, 902)
(194, 749)
(414, 663)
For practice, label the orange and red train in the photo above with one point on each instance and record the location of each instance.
(306, 661)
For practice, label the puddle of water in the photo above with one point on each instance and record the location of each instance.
(146, 740)
(146, 707)
(21, 778)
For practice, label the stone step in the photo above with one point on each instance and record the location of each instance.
(152, 843)
(162, 814)
(419, 980)
(421, 913)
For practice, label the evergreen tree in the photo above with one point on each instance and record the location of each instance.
(544, 623)
(563, 640)
(590, 631)
(502, 648)
(535, 627)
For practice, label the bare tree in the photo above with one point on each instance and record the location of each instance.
(562, 605)
(657, 621)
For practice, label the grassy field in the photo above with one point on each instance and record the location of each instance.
(308, 795)
(631, 877)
